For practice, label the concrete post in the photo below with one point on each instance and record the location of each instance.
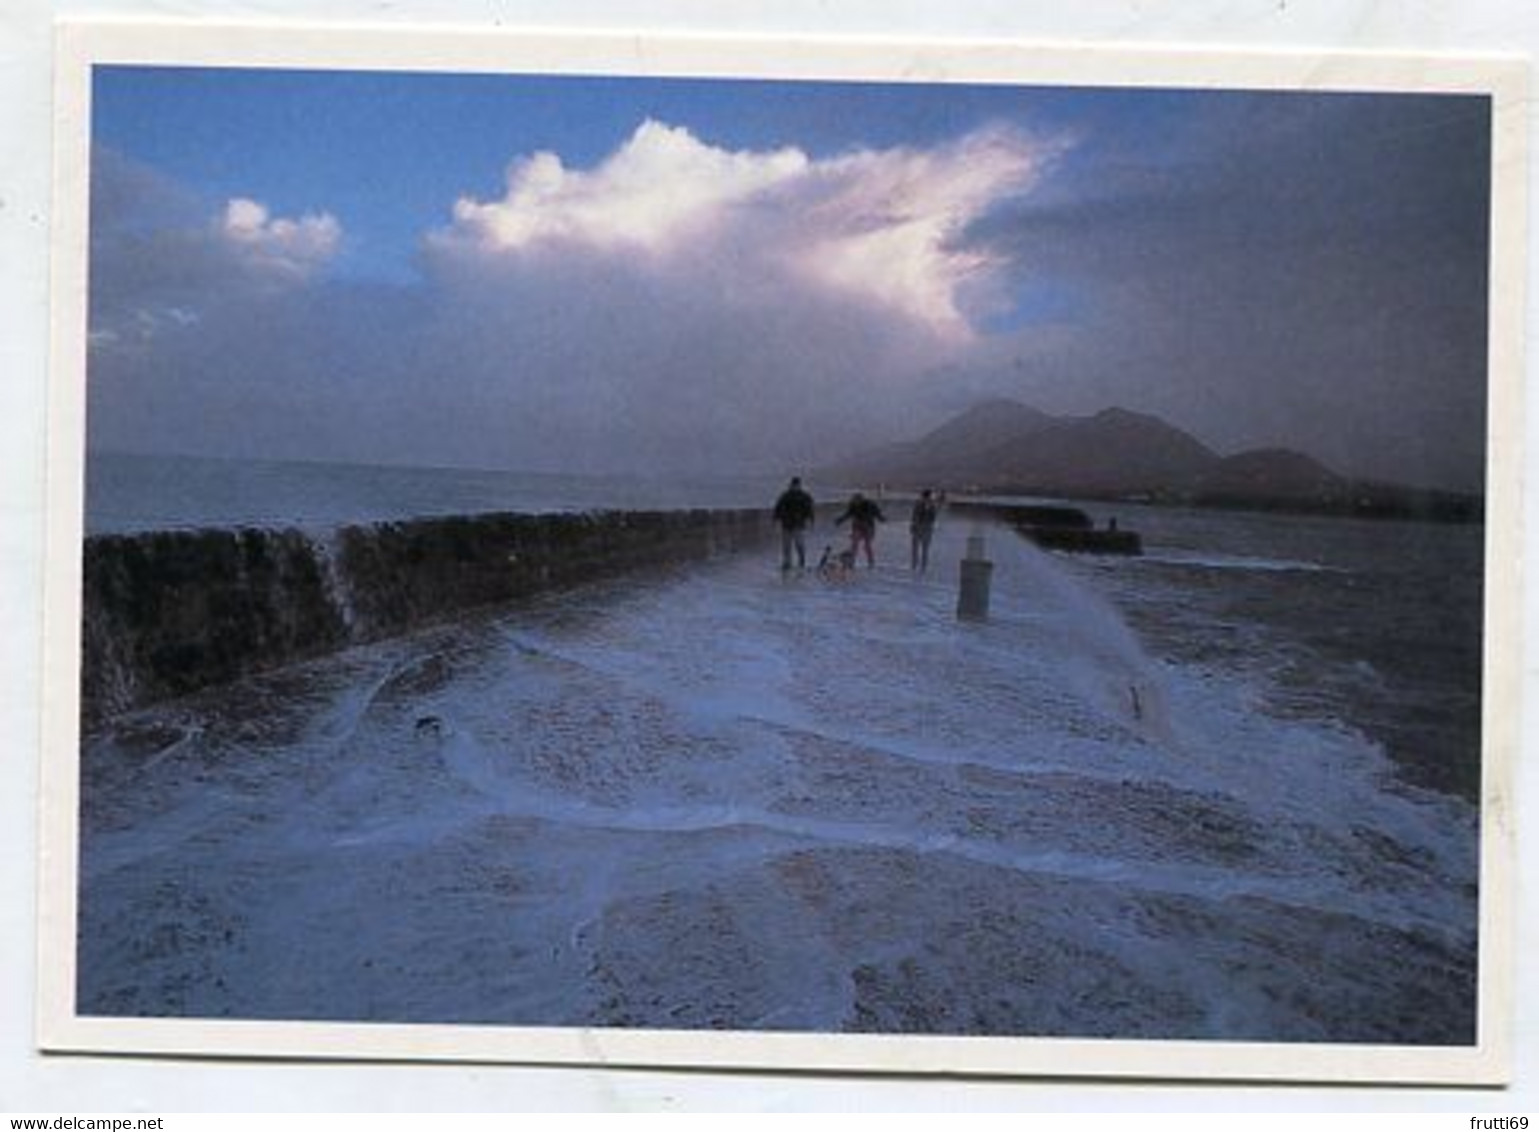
(977, 571)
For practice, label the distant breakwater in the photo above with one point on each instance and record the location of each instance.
(167, 613)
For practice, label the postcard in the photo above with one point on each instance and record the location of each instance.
(979, 558)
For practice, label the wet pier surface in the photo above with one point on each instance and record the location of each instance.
(717, 797)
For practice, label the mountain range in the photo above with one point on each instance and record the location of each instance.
(1002, 446)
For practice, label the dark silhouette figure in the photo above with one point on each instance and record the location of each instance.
(863, 515)
(921, 526)
(794, 511)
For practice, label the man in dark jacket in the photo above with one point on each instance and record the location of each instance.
(863, 514)
(793, 511)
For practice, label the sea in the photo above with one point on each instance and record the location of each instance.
(127, 493)
(1224, 790)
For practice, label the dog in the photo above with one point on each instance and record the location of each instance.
(836, 567)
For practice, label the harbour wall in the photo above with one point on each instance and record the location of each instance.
(167, 613)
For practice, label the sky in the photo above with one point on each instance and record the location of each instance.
(656, 277)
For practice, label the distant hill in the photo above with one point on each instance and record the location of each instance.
(1277, 472)
(950, 452)
(1112, 451)
(1003, 446)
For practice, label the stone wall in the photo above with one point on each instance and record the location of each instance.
(169, 612)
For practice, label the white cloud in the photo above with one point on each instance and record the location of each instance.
(677, 307)
(876, 227)
(293, 249)
(159, 264)
(659, 188)
(888, 227)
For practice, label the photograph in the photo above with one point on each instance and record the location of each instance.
(806, 553)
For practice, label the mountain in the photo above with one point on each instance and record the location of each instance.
(1276, 473)
(984, 426)
(1003, 444)
(1005, 447)
(1112, 451)
(950, 452)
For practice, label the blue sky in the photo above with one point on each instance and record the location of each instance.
(389, 152)
(1261, 269)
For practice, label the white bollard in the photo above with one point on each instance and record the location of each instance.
(973, 596)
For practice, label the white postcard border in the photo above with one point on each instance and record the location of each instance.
(83, 44)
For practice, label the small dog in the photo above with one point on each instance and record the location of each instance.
(836, 567)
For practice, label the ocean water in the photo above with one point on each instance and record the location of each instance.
(1220, 792)
(127, 493)
(1376, 624)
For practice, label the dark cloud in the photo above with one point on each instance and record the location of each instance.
(1286, 270)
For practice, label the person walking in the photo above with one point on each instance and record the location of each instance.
(794, 513)
(921, 525)
(863, 515)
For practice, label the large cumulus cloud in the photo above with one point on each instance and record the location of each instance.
(680, 306)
